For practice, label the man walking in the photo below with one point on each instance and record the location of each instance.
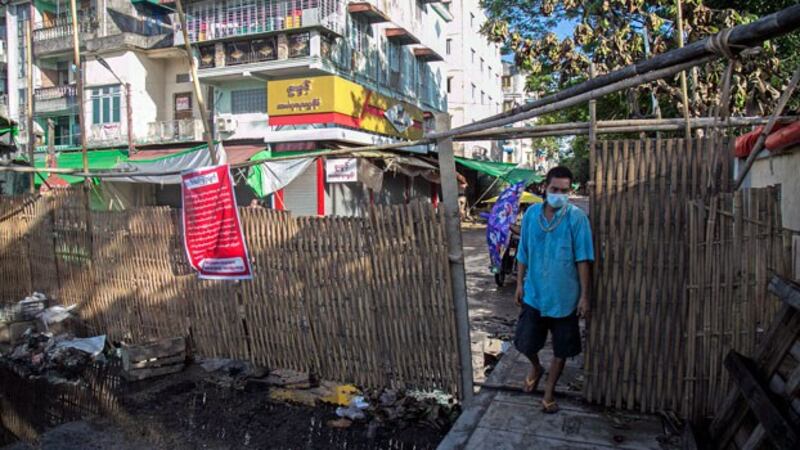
(555, 252)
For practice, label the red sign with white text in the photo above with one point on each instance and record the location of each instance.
(212, 230)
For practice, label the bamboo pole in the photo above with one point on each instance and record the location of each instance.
(684, 87)
(29, 96)
(455, 250)
(76, 56)
(616, 126)
(696, 53)
(201, 104)
(762, 138)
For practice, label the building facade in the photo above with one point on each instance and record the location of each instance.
(474, 72)
(280, 75)
(518, 151)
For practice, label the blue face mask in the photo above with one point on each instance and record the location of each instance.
(557, 201)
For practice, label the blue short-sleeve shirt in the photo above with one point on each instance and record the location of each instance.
(551, 282)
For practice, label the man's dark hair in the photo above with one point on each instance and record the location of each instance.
(558, 172)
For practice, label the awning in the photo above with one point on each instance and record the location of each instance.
(187, 159)
(236, 154)
(271, 176)
(507, 171)
(98, 160)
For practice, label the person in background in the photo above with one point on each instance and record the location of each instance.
(554, 257)
(462, 195)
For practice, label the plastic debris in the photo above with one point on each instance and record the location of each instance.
(93, 345)
(355, 410)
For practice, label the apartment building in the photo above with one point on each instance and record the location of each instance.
(474, 71)
(518, 151)
(282, 75)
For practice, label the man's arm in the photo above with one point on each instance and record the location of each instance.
(520, 282)
(584, 273)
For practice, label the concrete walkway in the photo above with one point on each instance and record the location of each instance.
(503, 417)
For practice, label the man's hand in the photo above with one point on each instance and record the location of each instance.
(583, 307)
(518, 295)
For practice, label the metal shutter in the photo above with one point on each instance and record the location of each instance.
(300, 196)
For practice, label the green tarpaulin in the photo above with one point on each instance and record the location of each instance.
(98, 159)
(507, 171)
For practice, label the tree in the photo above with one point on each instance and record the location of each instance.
(615, 33)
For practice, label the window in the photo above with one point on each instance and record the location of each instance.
(482, 98)
(182, 107)
(182, 78)
(106, 105)
(448, 44)
(449, 84)
(506, 81)
(471, 20)
(245, 101)
(481, 65)
(473, 91)
(472, 58)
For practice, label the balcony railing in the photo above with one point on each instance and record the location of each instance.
(216, 20)
(55, 92)
(187, 130)
(56, 98)
(61, 27)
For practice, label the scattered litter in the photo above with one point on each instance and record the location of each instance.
(55, 314)
(93, 345)
(340, 423)
(24, 310)
(355, 410)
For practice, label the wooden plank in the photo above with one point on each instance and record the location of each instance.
(779, 430)
(786, 290)
(688, 439)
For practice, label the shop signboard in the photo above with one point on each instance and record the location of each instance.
(341, 170)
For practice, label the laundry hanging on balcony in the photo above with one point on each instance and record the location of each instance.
(193, 158)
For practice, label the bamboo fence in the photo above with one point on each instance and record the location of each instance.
(735, 243)
(658, 334)
(362, 300)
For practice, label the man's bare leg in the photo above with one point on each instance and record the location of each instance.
(556, 367)
(532, 380)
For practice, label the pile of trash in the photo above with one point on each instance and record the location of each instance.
(38, 339)
(390, 407)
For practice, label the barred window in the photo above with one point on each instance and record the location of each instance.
(249, 101)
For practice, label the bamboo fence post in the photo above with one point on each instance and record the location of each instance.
(455, 250)
(198, 93)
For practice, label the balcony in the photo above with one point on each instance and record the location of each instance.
(171, 131)
(372, 11)
(285, 54)
(56, 36)
(257, 17)
(401, 36)
(55, 99)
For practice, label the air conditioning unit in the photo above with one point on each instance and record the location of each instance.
(226, 124)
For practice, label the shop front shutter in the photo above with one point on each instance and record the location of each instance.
(300, 196)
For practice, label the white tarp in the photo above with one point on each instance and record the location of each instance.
(275, 175)
(180, 162)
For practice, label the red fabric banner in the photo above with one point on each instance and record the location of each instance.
(212, 230)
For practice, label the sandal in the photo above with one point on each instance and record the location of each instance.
(549, 407)
(531, 384)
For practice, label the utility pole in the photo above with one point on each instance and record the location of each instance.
(198, 93)
(29, 96)
(79, 83)
(455, 253)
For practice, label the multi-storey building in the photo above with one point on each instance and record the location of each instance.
(474, 72)
(285, 75)
(518, 151)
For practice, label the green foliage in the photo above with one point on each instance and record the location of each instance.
(615, 33)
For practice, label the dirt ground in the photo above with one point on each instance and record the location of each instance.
(191, 410)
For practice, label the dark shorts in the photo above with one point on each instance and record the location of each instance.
(532, 328)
